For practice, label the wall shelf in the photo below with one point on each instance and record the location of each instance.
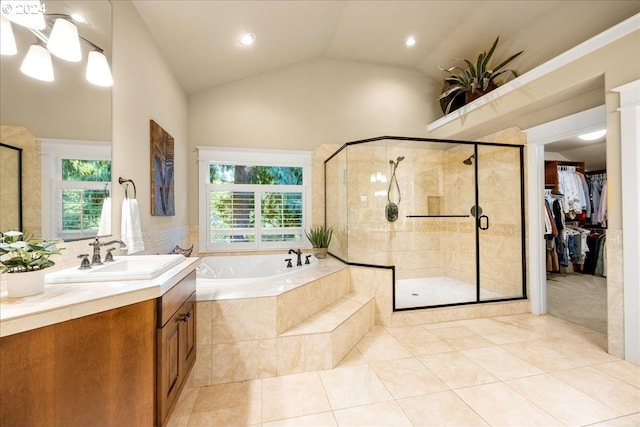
(554, 64)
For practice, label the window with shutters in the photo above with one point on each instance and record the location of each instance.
(253, 201)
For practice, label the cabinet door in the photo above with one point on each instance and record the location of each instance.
(169, 365)
(176, 355)
(188, 335)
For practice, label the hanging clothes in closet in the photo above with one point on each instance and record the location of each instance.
(577, 246)
(575, 190)
(598, 189)
(596, 262)
(555, 235)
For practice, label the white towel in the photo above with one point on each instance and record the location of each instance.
(104, 229)
(130, 232)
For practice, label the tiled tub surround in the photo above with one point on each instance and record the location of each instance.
(300, 322)
(311, 325)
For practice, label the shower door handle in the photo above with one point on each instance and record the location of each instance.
(486, 223)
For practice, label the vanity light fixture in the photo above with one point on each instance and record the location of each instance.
(410, 42)
(37, 63)
(592, 136)
(247, 39)
(7, 40)
(64, 42)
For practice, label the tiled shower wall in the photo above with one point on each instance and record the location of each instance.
(18, 136)
(433, 181)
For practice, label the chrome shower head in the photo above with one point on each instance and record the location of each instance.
(469, 161)
(397, 162)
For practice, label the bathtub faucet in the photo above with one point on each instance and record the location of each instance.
(299, 253)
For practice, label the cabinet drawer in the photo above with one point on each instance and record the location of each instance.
(171, 301)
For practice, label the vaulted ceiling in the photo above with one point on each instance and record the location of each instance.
(199, 39)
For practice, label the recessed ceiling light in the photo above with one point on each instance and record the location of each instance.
(247, 39)
(411, 41)
(592, 136)
(78, 18)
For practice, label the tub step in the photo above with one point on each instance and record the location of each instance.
(323, 339)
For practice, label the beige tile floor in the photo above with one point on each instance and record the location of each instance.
(501, 371)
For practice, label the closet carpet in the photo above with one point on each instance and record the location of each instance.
(578, 298)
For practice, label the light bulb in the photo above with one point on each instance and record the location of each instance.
(37, 63)
(247, 39)
(592, 136)
(98, 71)
(64, 42)
(7, 40)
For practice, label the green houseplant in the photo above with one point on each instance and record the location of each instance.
(468, 82)
(320, 237)
(24, 258)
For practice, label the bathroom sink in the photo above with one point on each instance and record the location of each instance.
(134, 267)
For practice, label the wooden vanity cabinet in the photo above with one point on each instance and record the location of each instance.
(96, 370)
(176, 342)
(120, 367)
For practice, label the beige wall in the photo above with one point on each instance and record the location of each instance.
(300, 107)
(144, 90)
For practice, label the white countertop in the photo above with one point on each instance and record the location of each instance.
(62, 302)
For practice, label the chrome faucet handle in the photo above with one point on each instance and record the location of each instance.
(85, 264)
(109, 256)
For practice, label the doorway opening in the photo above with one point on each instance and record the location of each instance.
(575, 211)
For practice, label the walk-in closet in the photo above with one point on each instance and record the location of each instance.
(575, 201)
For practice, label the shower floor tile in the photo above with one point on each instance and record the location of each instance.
(430, 291)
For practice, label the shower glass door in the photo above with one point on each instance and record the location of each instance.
(500, 223)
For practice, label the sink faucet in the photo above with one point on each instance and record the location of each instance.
(299, 253)
(96, 258)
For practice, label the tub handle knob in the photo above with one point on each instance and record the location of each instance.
(306, 259)
(288, 262)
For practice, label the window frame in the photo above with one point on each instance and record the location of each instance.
(53, 152)
(251, 157)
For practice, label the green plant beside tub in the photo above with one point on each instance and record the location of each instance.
(475, 79)
(320, 236)
(20, 253)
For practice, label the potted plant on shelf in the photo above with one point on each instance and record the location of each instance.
(466, 83)
(320, 237)
(24, 258)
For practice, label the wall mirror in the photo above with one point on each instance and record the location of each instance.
(63, 128)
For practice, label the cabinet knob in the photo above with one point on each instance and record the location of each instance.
(185, 317)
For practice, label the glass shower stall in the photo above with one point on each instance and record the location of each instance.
(447, 216)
